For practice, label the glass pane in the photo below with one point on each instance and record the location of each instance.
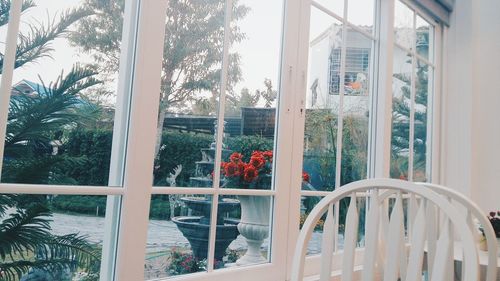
(356, 108)
(307, 203)
(178, 232)
(60, 124)
(424, 38)
(403, 25)
(243, 233)
(65, 233)
(401, 88)
(252, 97)
(335, 6)
(190, 85)
(423, 93)
(361, 13)
(322, 101)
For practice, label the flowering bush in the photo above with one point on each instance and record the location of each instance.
(183, 263)
(255, 174)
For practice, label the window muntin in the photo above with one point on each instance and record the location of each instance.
(9, 187)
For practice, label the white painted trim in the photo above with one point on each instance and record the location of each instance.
(141, 141)
(119, 143)
(15, 188)
(383, 115)
(219, 134)
(9, 61)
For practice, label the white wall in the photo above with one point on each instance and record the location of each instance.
(471, 128)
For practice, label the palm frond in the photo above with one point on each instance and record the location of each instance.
(36, 43)
(23, 231)
(5, 9)
(32, 120)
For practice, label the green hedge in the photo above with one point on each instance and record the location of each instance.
(93, 148)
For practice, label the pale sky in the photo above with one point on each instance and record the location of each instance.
(260, 52)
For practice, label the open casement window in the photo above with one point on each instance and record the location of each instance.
(342, 132)
(189, 139)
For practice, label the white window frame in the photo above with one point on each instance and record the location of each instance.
(134, 136)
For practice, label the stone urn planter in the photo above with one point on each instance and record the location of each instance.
(254, 226)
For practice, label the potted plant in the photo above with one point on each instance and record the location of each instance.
(254, 223)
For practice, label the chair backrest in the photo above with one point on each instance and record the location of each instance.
(473, 212)
(394, 259)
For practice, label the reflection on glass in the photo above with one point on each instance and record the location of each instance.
(61, 113)
(424, 38)
(251, 221)
(178, 233)
(322, 101)
(423, 91)
(401, 90)
(361, 13)
(64, 233)
(403, 25)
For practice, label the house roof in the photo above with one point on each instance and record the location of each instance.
(28, 87)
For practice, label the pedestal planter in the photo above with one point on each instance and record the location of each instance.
(254, 227)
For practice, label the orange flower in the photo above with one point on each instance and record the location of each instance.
(231, 169)
(268, 154)
(250, 173)
(236, 157)
(257, 161)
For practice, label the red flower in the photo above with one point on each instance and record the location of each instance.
(236, 157)
(492, 214)
(257, 161)
(231, 169)
(268, 154)
(250, 173)
(306, 177)
(257, 153)
(241, 167)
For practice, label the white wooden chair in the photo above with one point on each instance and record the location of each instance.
(473, 212)
(387, 255)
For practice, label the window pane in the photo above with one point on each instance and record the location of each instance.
(401, 90)
(403, 25)
(424, 38)
(335, 6)
(251, 222)
(322, 101)
(314, 244)
(307, 203)
(423, 93)
(178, 232)
(356, 108)
(252, 97)
(190, 85)
(65, 232)
(361, 13)
(60, 123)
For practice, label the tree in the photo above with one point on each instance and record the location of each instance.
(25, 239)
(192, 55)
(401, 122)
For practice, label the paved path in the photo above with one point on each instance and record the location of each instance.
(162, 235)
